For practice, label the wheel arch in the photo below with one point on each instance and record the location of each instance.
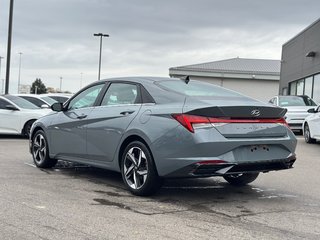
(127, 140)
(25, 124)
(36, 129)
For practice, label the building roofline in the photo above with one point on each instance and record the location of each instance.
(301, 32)
(223, 71)
(194, 67)
(178, 73)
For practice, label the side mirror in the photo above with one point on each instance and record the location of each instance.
(11, 107)
(312, 110)
(45, 106)
(57, 107)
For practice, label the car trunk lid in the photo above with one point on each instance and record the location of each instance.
(237, 117)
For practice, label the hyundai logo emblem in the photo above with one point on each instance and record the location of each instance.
(255, 113)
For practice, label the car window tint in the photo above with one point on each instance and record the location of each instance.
(296, 101)
(20, 102)
(49, 100)
(35, 101)
(3, 104)
(120, 93)
(86, 98)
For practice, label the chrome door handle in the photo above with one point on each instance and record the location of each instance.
(82, 116)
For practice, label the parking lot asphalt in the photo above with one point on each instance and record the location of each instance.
(79, 202)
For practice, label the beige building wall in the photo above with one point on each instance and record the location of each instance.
(259, 89)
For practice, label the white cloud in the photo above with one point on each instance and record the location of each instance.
(146, 37)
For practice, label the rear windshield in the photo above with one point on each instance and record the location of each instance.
(20, 102)
(296, 101)
(49, 100)
(197, 89)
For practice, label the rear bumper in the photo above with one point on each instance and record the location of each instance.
(295, 126)
(221, 169)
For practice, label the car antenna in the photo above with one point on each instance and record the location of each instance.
(186, 79)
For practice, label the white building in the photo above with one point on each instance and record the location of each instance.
(24, 89)
(257, 78)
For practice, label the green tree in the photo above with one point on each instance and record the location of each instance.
(38, 87)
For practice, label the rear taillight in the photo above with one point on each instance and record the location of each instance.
(191, 121)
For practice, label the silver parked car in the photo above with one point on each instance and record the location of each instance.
(297, 109)
(154, 128)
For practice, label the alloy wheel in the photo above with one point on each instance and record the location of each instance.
(306, 133)
(39, 148)
(135, 168)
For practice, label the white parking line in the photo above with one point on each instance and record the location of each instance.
(30, 164)
(194, 187)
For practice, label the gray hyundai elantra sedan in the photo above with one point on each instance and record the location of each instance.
(151, 128)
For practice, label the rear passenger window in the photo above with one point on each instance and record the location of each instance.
(119, 94)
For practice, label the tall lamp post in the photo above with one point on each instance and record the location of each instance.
(100, 35)
(2, 84)
(9, 47)
(0, 74)
(20, 53)
(2, 80)
(60, 84)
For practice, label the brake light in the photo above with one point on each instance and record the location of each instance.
(189, 121)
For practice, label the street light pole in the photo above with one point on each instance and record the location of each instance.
(0, 74)
(2, 88)
(60, 84)
(9, 47)
(20, 53)
(100, 35)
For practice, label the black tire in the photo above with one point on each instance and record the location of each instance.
(139, 176)
(307, 134)
(40, 151)
(241, 179)
(27, 128)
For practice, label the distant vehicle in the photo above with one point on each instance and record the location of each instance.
(311, 125)
(153, 128)
(17, 115)
(297, 107)
(38, 100)
(59, 97)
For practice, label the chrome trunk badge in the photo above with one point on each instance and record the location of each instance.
(255, 113)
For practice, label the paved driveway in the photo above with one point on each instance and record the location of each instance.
(86, 203)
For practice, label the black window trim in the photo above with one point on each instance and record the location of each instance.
(143, 96)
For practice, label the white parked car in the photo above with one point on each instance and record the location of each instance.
(311, 126)
(17, 115)
(59, 97)
(297, 109)
(38, 100)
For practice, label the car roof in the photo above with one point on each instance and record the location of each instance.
(27, 95)
(142, 79)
